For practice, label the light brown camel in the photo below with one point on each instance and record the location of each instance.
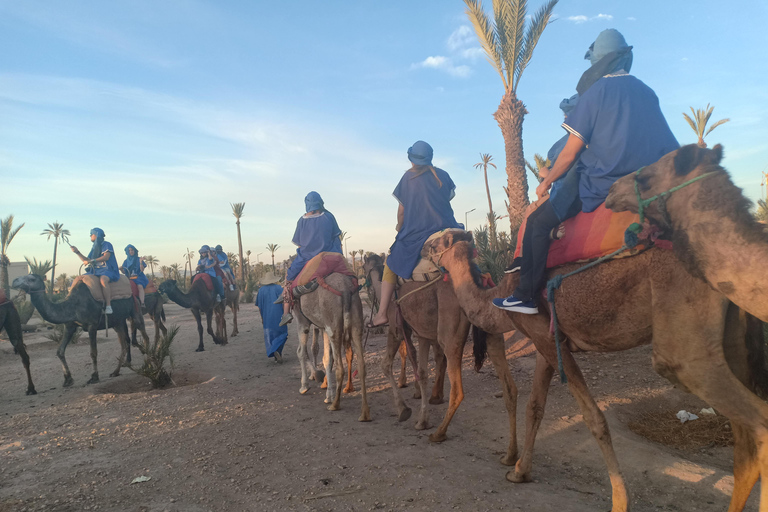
(615, 306)
(435, 314)
(713, 231)
(340, 317)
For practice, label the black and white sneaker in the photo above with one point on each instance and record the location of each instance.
(516, 305)
(514, 267)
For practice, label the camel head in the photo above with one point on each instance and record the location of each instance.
(371, 261)
(167, 286)
(671, 170)
(30, 283)
(434, 249)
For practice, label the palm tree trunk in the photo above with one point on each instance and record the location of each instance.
(53, 270)
(240, 246)
(273, 262)
(491, 215)
(509, 117)
(4, 276)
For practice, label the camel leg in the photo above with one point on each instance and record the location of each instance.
(12, 324)
(122, 335)
(198, 318)
(234, 307)
(357, 343)
(328, 360)
(403, 411)
(438, 389)
(336, 354)
(209, 330)
(542, 377)
(403, 380)
(301, 354)
(94, 356)
(69, 331)
(421, 383)
(497, 354)
(317, 375)
(746, 469)
(349, 388)
(452, 335)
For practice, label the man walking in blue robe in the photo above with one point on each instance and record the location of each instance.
(271, 313)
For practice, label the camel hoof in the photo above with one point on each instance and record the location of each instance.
(366, 416)
(327, 400)
(303, 390)
(422, 425)
(513, 477)
(93, 380)
(115, 374)
(320, 377)
(334, 407)
(31, 391)
(436, 437)
(312, 377)
(508, 461)
(200, 349)
(404, 414)
(417, 394)
(68, 381)
(402, 385)
(349, 389)
(436, 400)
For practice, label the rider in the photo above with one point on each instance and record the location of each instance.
(616, 128)
(208, 263)
(424, 194)
(133, 267)
(224, 266)
(101, 262)
(316, 231)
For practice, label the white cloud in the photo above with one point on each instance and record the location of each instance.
(460, 38)
(603, 17)
(445, 64)
(578, 19)
(472, 53)
(632, 18)
(581, 18)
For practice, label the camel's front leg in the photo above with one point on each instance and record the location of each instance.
(328, 360)
(422, 375)
(94, 355)
(196, 314)
(357, 342)
(69, 331)
(393, 342)
(301, 354)
(452, 336)
(497, 354)
(403, 380)
(122, 336)
(438, 388)
(349, 388)
(234, 308)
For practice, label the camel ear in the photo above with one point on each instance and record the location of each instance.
(716, 155)
(687, 159)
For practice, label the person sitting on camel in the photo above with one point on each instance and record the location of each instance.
(424, 193)
(208, 264)
(101, 262)
(133, 267)
(616, 128)
(316, 231)
(224, 266)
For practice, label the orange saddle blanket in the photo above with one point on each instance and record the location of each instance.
(323, 265)
(587, 236)
(150, 288)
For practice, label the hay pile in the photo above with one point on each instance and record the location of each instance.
(663, 427)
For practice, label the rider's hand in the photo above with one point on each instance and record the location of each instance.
(542, 189)
(74, 249)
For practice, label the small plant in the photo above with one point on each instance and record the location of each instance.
(154, 359)
(57, 334)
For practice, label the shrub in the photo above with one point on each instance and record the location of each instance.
(154, 359)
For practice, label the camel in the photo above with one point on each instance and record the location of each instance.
(233, 301)
(712, 230)
(434, 314)
(80, 309)
(154, 304)
(341, 319)
(620, 304)
(11, 322)
(198, 299)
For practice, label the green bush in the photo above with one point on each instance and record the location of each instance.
(154, 359)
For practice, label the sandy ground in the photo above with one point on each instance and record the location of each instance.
(239, 436)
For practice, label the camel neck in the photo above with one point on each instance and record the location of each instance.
(179, 297)
(55, 313)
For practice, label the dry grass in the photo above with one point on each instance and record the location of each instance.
(663, 427)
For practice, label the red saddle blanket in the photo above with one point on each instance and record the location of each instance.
(150, 288)
(206, 279)
(321, 266)
(587, 236)
(3, 297)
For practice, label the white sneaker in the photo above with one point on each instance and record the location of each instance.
(108, 310)
(232, 287)
(218, 299)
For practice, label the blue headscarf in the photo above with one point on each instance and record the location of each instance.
(313, 202)
(608, 54)
(203, 249)
(569, 104)
(131, 261)
(420, 153)
(96, 248)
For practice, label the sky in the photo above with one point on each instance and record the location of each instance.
(148, 119)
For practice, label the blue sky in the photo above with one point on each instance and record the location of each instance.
(149, 118)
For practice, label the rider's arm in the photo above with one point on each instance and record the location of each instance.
(564, 162)
(103, 257)
(400, 217)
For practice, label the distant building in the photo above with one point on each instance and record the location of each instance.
(17, 269)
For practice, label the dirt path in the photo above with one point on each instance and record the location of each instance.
(242, 438)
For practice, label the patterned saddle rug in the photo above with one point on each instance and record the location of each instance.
(120, 289)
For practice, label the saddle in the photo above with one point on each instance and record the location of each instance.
(121, 289)
(320, 267)
(425, 270)
(150, 288)
(205, 278)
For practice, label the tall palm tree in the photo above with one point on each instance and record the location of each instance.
(188, 256)
(699, 123)
(55, 230)
(62, 282)
(272, 248)
(175, 271)
(237, 211)
(234, 263)
(509, 46)
(6, 236)
(151, 261)
(166, 271)
(485, 161)
(353, 254)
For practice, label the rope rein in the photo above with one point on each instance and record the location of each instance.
(631, 239)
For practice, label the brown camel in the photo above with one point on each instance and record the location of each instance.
(340, 317)
(615, 306)
(233, 301)
(713, 231)
(11, 322)
(198, 299)
(154, 304)
(435, 314)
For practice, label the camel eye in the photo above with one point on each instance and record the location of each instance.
(642, 182)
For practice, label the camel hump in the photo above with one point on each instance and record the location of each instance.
(121, 289)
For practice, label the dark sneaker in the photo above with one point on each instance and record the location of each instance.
(514, 267)
(516, 305)
(304, 289)
(286, 319)
(279, 300)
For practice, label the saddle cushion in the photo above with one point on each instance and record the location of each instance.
(150, 288)
(3, 297)
(121, 289)
(206, 279)
(426, 270)
(323, 265)
(587, 236)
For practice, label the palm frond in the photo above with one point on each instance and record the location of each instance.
(517, 11)
(486, 34)
(690, 121)
(237, 209)
(505, 14)
(539, 22)
(722, 121)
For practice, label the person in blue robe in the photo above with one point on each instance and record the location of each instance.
(275, 334)
(208, 263)
(133, 267)
(101, 262)
(224, 266)
(316, 231)
(616, 128)
(424, 195)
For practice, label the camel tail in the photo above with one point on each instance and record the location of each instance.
(758, 369)
(346, 308)
(480, 349)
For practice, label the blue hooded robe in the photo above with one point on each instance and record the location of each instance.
(274, 335)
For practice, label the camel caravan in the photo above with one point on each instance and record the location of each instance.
(659, 249)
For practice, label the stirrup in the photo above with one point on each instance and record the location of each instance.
(304, 289)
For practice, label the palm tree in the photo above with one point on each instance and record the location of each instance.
(62, 282)
(234, 263)
(509, 46)
(151, 261)
(272, 248)
(40, 268)
(761, 214)
(353, 254)
(485, 161)
(55, 230)
(538, 162)
(237, 211)
(188, 256)
(6, 236)
(175, 271)
(699, 123)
